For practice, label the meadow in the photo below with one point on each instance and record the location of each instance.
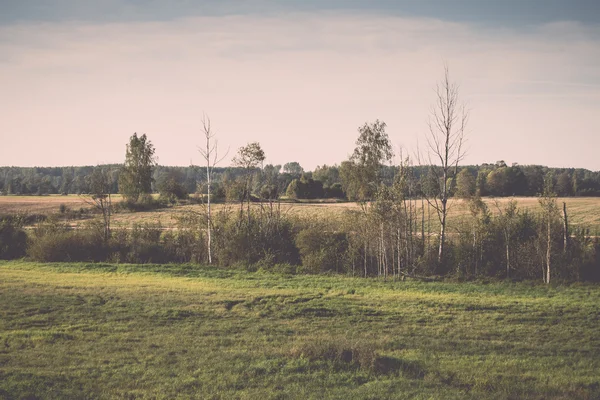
(583, 211)
(179, 331)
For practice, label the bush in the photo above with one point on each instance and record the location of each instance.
(185, 246)
(335, 191)
(322, 250)
(259, 237)
(171, 191)
(143, 245)
(13, 239)
(55, 243)
(147, 203)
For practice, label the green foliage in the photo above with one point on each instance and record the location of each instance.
(265, 237)
(335, 191)
(249, 158)
(294, 190)
(305, 188)
(13, 239)
(171, 190)
(321, 249)
(135, 179)
(465, 184)
(54, 242)
(361, 175)
(293, 168)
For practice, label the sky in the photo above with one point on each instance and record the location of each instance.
(79, 77)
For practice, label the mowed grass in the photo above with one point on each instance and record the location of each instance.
(75, 331)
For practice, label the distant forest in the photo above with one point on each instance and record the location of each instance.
(291, 180)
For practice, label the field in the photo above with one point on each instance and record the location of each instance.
(583, 211)
(72, 331)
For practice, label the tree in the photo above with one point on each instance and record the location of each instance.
(67, 180)
(362, 176)
(249, 157)
(480, 217)
(497, 182)
(508, 218)
(549, 217)
(447, 124)
(465, 184)
(210, 154)
(293, 168)
(481, 183)
(99, 197)
(564, 184)
(329, 175)
(294, 189)
(516, 181)
(135, 179)
(169, 187)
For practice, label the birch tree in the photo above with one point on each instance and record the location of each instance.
(508, 218)
(549, 218)
(210, 154)
(447, 124)
(99, 197)
(135, 179)
(249, 158)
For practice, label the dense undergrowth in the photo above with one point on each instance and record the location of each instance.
(378, 241)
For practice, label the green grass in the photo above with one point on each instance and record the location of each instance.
(74, 331)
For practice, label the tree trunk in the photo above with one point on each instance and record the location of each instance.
(208, 215)
(475, 249)
(442, 233)
(399, 238)
(548, 251)
(365, 258)
(565, 229)
(507, 257)
(423, 224)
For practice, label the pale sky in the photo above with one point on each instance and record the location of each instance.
(79, 77)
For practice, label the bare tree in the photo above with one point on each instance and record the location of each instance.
(447, 124)
(210, 154)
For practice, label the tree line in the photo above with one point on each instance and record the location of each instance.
(325, 181)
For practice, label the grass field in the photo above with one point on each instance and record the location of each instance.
(75, 331)
(583, 211)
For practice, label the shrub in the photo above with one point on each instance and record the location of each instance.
(143, 244)
(146, 203)
(185, 246)
(13, 239)
(52, 242)
(170, 190)
(259, 236)
(335, 191)
(322, 250)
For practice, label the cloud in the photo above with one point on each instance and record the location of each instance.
(300, 83)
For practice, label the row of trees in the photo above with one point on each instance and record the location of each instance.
(497, 180)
